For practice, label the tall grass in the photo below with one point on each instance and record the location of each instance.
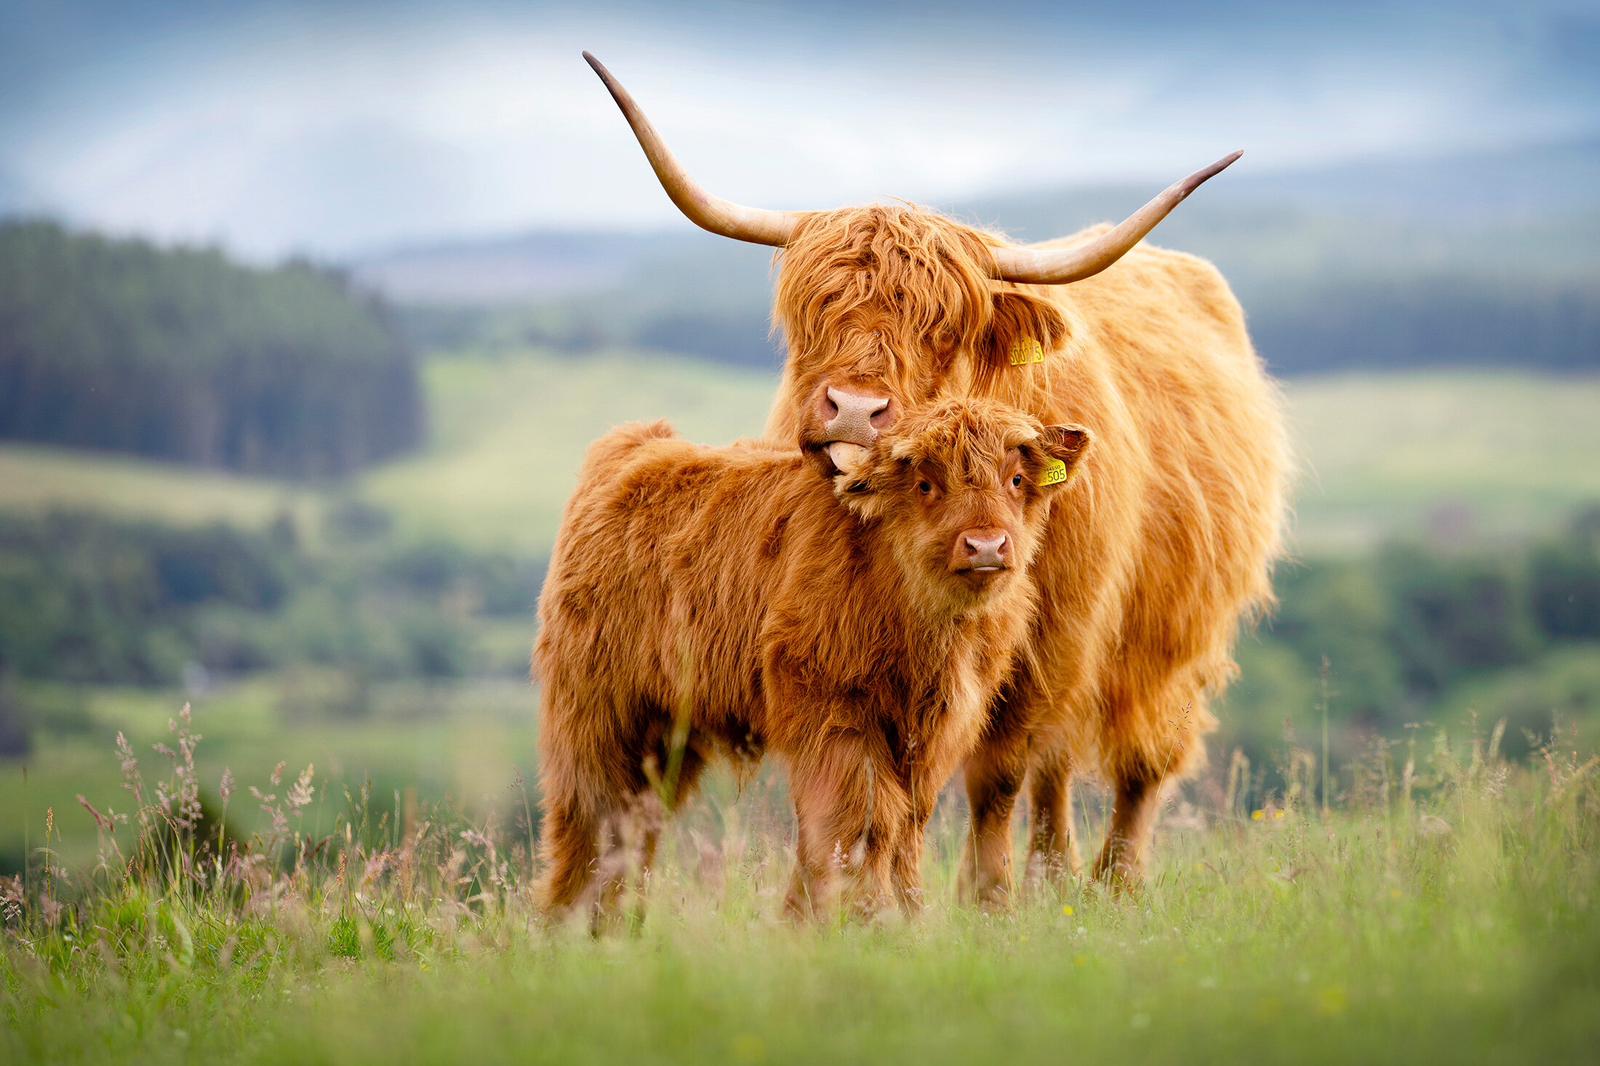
(1442, 905)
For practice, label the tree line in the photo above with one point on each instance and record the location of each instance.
(91, 598)
(183, 355)
(1379, 640)
(1383, 640)
(1300, 328)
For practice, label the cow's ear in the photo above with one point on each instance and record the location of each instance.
(1063, 448)
(1024, 330)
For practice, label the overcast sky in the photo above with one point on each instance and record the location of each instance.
(334, 127)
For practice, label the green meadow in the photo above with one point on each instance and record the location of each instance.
(1441, 906)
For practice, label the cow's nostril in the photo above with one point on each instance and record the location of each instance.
(852, 417)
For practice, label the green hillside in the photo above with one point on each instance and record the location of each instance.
(37, 478)
(510, 433)
(1380, 455)
(1459, 455)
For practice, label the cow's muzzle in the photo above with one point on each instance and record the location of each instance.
(853, 417)
(850, 422)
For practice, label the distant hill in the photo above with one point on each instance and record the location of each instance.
(509, 268)
(180, 354)
(1477, 259)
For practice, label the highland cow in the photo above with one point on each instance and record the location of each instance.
(732, 600)
(1145, 576)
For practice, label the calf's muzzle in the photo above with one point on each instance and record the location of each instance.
(981, 551)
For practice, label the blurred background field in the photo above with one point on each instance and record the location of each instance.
(379, 625)
(288, 415)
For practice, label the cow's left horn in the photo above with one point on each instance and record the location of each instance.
(1057, 266)
(753, 224)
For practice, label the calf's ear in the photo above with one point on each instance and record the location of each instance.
(1023, 330)
(863, 491)
(1064, 447)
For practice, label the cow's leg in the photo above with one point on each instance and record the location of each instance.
(1052, 849)
(849, 809)
(994, 775)
(1139, 777)
(1133, 817)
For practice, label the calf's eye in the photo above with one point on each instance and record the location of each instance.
(924, 487)
(1016, 481)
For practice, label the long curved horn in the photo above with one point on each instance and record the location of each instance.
(1057, 266)
(753, 224)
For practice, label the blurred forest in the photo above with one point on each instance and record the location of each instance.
(180, 354)
(90, 599)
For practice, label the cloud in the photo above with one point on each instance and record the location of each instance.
(335, 128)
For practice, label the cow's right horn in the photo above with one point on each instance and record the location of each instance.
(753, 224)
(1057, 266)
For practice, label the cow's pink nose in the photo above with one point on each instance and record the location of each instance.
(985, 548)
(849, 416)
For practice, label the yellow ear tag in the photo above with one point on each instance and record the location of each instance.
(1026, 351)
(1055, 472)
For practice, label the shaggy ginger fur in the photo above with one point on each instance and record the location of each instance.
(1145, 576)
(703, 600)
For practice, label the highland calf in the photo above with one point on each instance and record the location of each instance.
(734, 600)
(1144, 578)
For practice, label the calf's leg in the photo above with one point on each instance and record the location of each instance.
(571, 847)
(649, 812)
(849, 810)
(906, 872)
(994, 775)
(1052, 849)
(599, 812)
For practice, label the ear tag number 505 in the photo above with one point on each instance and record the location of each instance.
(1026, 351)
(1055, 472)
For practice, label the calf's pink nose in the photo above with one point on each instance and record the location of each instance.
(985, 548)
(849, 416)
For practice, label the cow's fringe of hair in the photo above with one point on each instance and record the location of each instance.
(879, 286)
